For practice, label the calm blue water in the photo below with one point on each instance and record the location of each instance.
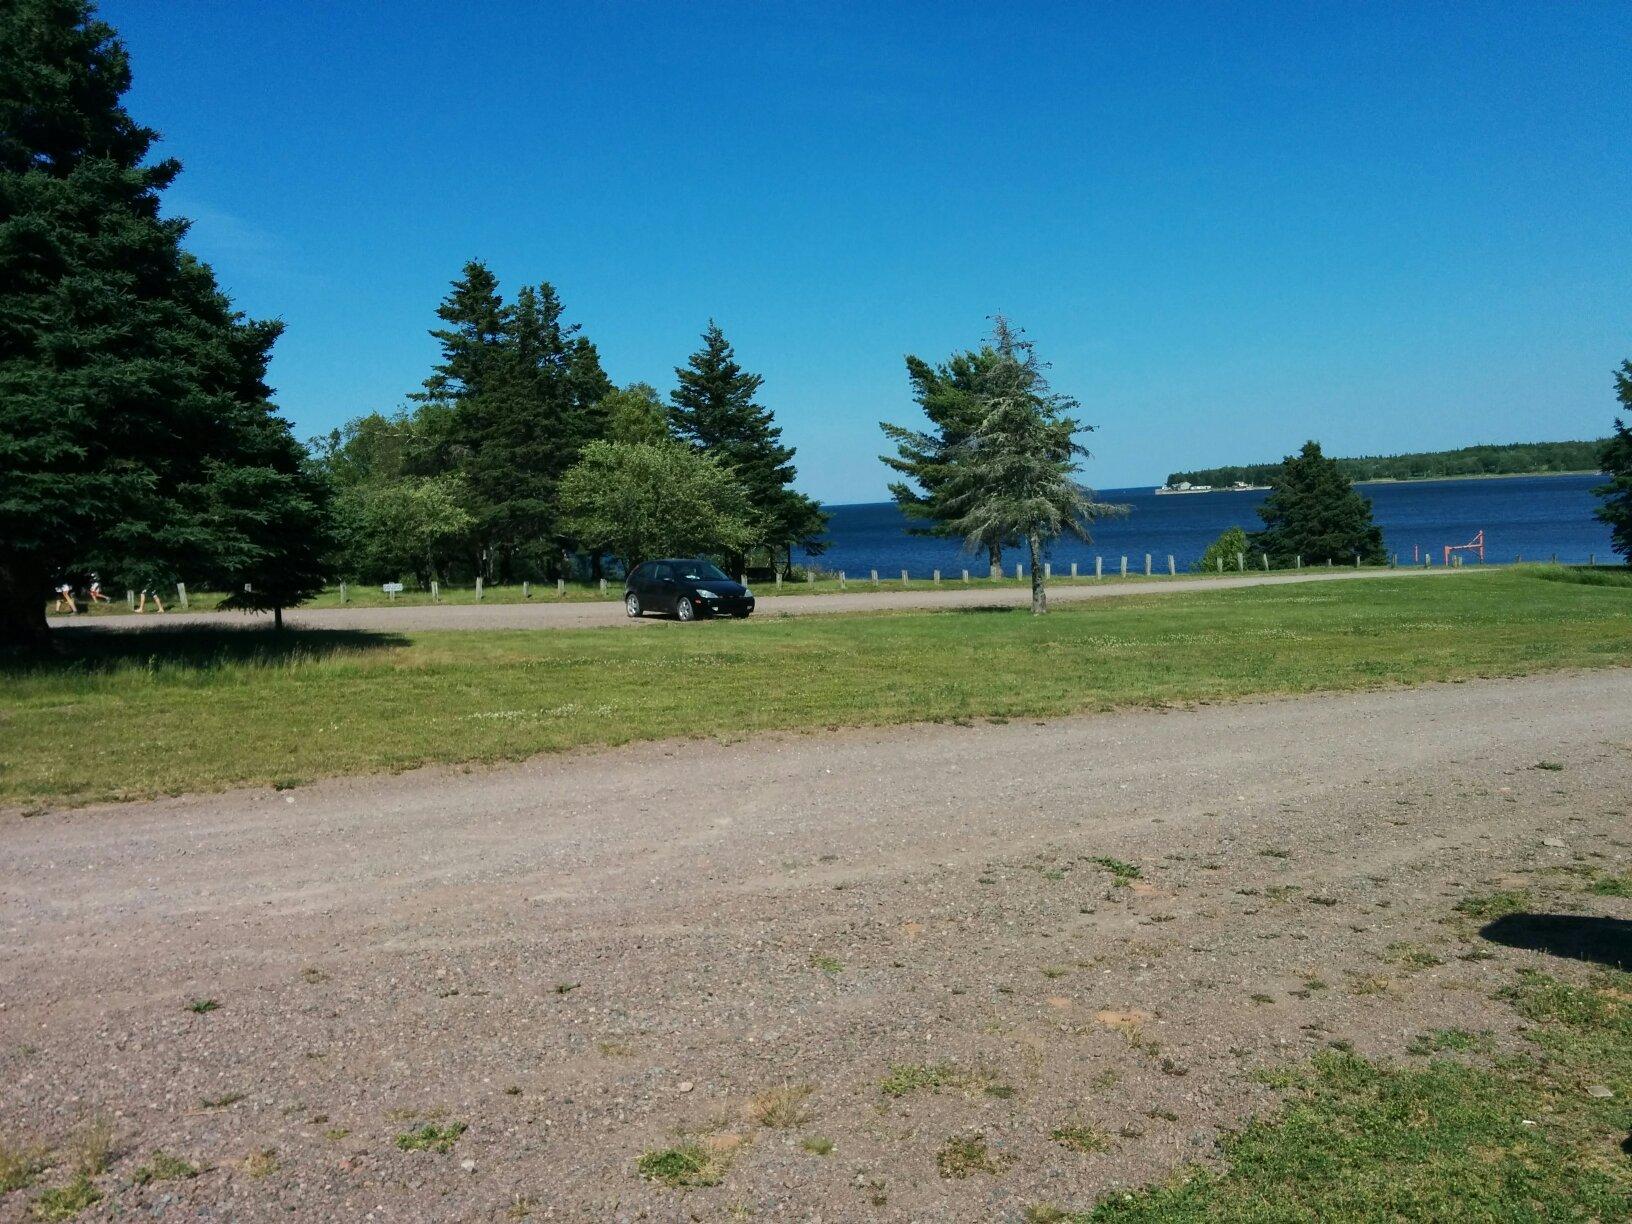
(1536, 516)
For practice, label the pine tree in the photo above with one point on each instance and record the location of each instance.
(714, 410)
(1015, 475)
(134, 411)
(1616, 459)
(1313, 512)
(948, 395)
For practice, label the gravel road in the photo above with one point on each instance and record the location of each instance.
(548, 615)
(590, 957)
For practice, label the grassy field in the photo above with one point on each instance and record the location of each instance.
(187, 710)
(358, 596)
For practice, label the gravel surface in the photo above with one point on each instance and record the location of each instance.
(544, 614)
(587, 957)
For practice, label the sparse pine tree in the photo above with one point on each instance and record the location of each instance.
(1616, 459)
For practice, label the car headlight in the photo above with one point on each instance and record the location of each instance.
(746, 593)
(701, 594)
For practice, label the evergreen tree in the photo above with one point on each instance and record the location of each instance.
(1015, 475)
(714, 410)
(1313, 512)
(135, 419)
(285, 512)
(1616, 460)
(949, 397)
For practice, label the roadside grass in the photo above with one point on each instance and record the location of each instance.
(132, 716)
(1534, 1136)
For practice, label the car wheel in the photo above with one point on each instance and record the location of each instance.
(683, 609)
(631, 604)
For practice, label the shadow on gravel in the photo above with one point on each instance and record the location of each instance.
(1604, 941)
(85, 650)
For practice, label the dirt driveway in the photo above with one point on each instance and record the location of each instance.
(546, 614)
(1106, 923)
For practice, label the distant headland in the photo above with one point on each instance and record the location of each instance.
(1510, 459)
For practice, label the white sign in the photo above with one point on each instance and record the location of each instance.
(391, 588)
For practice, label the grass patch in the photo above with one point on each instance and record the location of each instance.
(1122, 872)
(827, 964)
(90, 1146)
(203, 1007)
(67, 1201)
(262, 1162)
(1083, 1139)
(1612, 886)
(1440, 1040)
(689, 1164)
(1485, 906)
(907, 1078)
(318, 703)
(431, 1137)
(965, 1155)
(163, 1167)
(20, 1165)
(817, 1146)
(782, 1108)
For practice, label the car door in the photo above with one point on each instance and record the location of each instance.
(664, 591)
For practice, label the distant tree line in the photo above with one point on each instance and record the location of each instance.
(1510, 459)
(518, 459)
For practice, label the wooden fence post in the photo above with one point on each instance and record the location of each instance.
(1172, 569)
(1073, 569)
(130, 598)
(1124, 567)
(903, 577)
(1018, 573)
(1266, 561)
(1147, 565)
(875, 577)
(1048, 570)
(1099, 567)
(342, 592)
(1297, 561)
(603, 586)
(478, 589)
(778, 582)
(841, 580)
(966, 577)
(526, 590)
(436, 592)
(1240, 563)
(937, 578)
(560, 586)
(181, 594)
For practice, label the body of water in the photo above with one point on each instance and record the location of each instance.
(1533, 516)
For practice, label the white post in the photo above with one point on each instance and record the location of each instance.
(1240, 563)
(937, 578)
(1147, 565)
(875, 577)
(436, 592)
(810, 575)
(1172, 569)
(1328, 563)
(603, 586)
(342, 592)
(841, 580)
(181, 594)
(1297, 561)
(1018, 572)
(903, 577)
(1592, 560)
(526, 590)
(742, 580)
(1265, 556)
(130, 598)
(478, 589)
(966, 577)
(1048, 570)
(1124, 567)
(1356, 560)
(1221, 564)
(778, 582)
(1099, 567)
(560, 586)
(1073, 569)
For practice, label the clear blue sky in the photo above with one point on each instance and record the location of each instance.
(1229, 227)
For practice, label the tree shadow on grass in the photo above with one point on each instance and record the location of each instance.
(85, 650)
(1604, 941)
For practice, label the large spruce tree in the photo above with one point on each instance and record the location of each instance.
(714, 409)
(1616, 459)
(949, 396)
(1313, 512)
(137, 436)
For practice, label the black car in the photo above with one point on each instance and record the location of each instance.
(685, 587)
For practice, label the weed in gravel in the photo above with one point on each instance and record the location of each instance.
(1123, 872)
(907, 1078)
(1409, 955)
(1485, 906)
(782, 1108)
(1365, 984)
(608, 1048)
(1273, 852)
(66, 1201)
(164, 1167)
(689, 1164)
(90, 1147)
(336, 1133)
(1047, 1213)
(1612, 886)
(965, 1155)
(521, 1207)
(20, 1165)
(817, 1146)
(1164, 1115)
(1078, 1138)
(827, 964)
(1459, 1040)
(263, 1162)
(313, 976)
(222, 1101)
(1261, 998)
(1549, 766)
(1053, 971)
(203, 1006)
(562, 988)
(431, 1137)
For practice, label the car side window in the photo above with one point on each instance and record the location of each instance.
(663, 573)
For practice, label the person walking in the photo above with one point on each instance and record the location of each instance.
(65, 595)
(149, 593)
(96, 592)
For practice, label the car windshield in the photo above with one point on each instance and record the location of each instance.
(698, 571)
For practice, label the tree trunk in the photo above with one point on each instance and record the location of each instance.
(23, 626)
(994, 560)
(1039, 594)
(277, 619)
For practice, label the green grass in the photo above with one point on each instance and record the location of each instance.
(688, 1164)
(431, 1137)
(164, 1167)
(67, 1201)
(133, 716)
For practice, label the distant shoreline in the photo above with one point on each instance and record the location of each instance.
(1476, 476)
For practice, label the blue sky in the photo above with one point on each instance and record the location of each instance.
(1229, 227)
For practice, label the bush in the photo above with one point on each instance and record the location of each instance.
(1225, 548)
